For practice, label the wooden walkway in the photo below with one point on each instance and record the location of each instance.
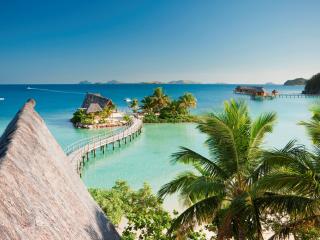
(283, 95)
(78, 152)
(297, 95)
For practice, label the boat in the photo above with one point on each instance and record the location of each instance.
(2, 98)
(127, 100)
(29, 88)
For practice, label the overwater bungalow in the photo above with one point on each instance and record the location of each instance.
(256, 92)
(251, 90)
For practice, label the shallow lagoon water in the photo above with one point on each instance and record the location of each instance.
(147, 158)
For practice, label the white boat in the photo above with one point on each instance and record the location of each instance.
(128, 100)
(2, 98)
(29, 88)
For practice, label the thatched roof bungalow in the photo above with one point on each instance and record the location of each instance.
(251, 90)
(93, 108)
(41, 196)
(96, 98)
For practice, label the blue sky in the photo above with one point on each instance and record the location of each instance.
(159, 40)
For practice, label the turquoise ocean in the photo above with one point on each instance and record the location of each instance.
(147, 158)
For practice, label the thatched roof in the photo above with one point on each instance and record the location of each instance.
(96, 98)
(93, 108)
(41, 196)
(251, 89)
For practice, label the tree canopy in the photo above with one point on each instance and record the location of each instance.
(159, 107)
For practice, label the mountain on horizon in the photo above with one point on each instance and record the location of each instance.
(152, 82)
(295, 82)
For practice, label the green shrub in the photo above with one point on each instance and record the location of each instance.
(146, 217)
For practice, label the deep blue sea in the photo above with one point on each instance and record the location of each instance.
(147, 159)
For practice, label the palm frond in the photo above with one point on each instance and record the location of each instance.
(188, 156)
(199, 213)
(182, 181)
(259, 128)
(203, 187)
(221, 143)
(288, 180)
(273, 159)
(290, 204)
(313, 129)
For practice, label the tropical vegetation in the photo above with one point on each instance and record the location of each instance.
(143, 211)
(134, 105)
(242, 190)
(81, 117)
(239, 190)
(159, 108)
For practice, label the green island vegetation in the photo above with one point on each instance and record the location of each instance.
(240, 191)
(159, 108)
(81, 116)
(312, 85)
(98, 111)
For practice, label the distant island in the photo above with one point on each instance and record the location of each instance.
(296, 82)
(86, 82)
(152, 82)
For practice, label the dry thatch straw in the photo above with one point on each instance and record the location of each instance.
(41, 197)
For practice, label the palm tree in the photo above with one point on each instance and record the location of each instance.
(221, 189)
(159, 100)
(294, 180)
(313, 126)
(147, 104)
(134, 105)
(292, 188)
(187, 101)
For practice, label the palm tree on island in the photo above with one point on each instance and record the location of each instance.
(187, 101)
(159, 107)
(159, 99)
(134, 105)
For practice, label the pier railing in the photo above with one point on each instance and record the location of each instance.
(282, 95)
(297, 95)
(80, 150)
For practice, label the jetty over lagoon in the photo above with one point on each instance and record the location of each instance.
(255, 92)
(78, 152)
(259, 93)
(297, 95)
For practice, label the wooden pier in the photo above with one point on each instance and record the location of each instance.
(78, 152)
(297, 95)
(282, 95)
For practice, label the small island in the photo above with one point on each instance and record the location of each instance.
(98, 111)
(160, 108)
(295, 82)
